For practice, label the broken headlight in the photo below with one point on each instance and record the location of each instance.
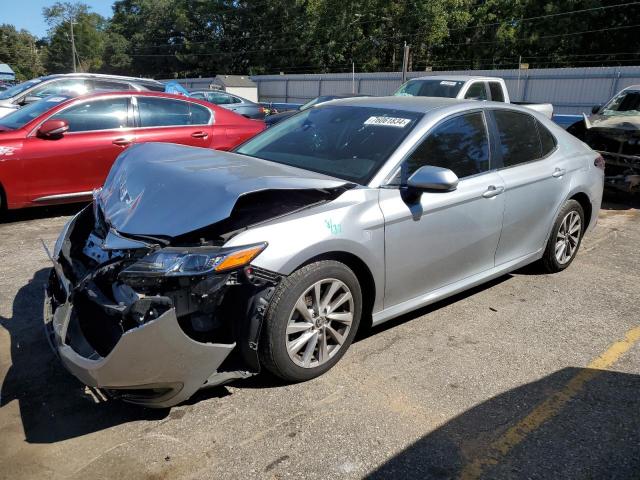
(176, 262)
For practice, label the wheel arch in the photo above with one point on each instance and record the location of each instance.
(3, 198)
(362, 272)
(585, 202)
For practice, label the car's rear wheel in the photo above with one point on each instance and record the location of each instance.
(565, 238)
(312, 319)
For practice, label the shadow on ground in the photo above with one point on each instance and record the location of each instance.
(37, 213)
(54, 406)
(614, 200)
(595, 435)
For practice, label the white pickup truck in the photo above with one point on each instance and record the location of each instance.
(466, 86)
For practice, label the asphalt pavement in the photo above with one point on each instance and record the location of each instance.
(530, 376)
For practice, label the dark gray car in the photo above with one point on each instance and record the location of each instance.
(278, 117)
(71, 83)
(237, 104)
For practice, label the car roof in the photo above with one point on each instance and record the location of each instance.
(411, 104)
(100, 75)
(143, 94)
(456, 78)
(428, 105)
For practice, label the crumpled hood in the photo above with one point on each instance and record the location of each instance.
(616, 122)
(162, 189)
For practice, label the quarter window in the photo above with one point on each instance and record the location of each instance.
(477, 91)
(460, 144)
(105, 114)
(519, 142)
(164, 112)
(547, 141)
(496, 92)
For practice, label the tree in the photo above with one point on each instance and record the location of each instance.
(88, 32)
(21, 51)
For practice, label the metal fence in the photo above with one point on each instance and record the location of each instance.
(570, 90)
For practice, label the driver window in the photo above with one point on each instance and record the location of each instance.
(460, 144)
(477, 91)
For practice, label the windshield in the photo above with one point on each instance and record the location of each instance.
(20, 118)
(626, 103)
(342, 141)
(17, 89)
(430, 88)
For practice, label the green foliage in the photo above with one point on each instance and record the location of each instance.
(21, 51)
(178, 38)
(89, 34)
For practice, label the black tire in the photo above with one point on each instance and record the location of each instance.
(273, 348)
(549, 260)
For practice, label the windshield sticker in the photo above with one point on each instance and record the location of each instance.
(388, 121)
(55, 99)
(448, 83)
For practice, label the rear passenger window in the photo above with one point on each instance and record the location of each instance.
(165, 112)
(547, 141)
(496, 92)
(518, 133)
(106, 85)
(459, 144)
(477, 91)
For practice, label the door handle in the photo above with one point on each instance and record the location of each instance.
(122, 142)
(493, 191)
(558, 172)
(200, 134)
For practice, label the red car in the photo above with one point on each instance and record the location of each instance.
(59, 149)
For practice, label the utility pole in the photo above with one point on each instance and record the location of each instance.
(353, 77)
(73, 46)
(405, 62)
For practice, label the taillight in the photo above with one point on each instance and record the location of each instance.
(599, 162)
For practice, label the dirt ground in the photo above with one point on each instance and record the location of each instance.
(529, 376)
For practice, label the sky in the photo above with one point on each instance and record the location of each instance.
(27, 14)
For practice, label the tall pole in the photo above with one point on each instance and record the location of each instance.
(519, 69)
(405, 62)
(73, 46)
(353, 77)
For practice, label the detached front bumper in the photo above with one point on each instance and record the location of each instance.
(155, 364)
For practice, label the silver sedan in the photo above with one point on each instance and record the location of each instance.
(195, 267)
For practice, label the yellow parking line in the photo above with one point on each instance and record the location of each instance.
(549, 408)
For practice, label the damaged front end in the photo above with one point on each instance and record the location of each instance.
(145, 300)
(150, 323)
(620, 148)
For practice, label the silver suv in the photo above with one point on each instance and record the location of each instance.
(71, 83)
(194, 266)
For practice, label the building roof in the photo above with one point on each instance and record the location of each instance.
(235, 81)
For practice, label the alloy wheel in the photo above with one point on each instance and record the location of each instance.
(319, 323)
(568, 237)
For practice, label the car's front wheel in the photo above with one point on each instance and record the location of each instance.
(565, 238)
(312, 319)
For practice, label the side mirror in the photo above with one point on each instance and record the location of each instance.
(52, 129)
(433, 178)
(595, 109)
